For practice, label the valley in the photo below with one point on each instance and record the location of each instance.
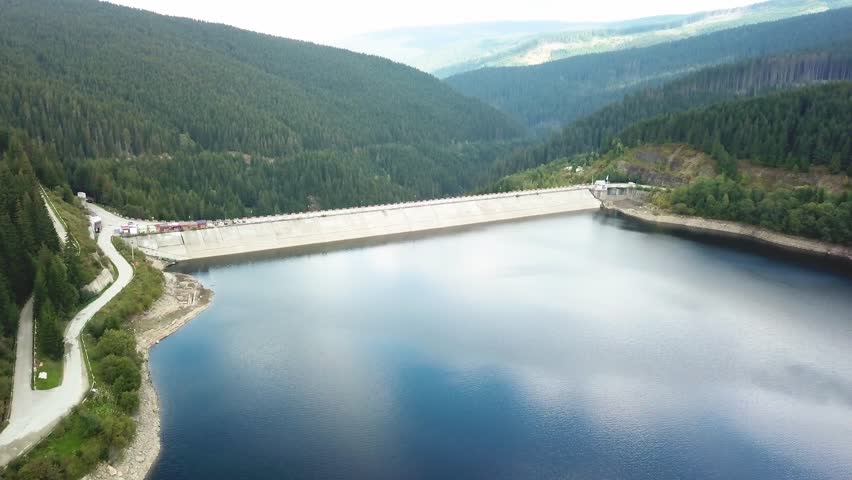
(615, 249)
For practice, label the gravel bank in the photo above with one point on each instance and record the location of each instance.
(184, 298)
(789, 242)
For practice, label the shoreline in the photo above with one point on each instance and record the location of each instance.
(184, 299)
(737, 230)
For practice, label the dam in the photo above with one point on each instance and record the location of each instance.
(285, 231)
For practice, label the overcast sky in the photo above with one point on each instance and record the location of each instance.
(328, 21)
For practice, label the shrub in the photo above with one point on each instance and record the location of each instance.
(129, 401)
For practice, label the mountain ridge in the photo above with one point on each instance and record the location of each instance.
(549, 95)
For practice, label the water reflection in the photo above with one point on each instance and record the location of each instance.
(568, 347)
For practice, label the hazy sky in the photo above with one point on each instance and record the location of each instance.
(327, 21)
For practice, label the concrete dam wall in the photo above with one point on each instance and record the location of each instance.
(277, 232)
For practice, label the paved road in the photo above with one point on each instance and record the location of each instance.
(35, 413)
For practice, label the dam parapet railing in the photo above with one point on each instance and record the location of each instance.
(283, 231)
(393, 206)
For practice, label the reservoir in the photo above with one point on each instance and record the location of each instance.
(569, 347)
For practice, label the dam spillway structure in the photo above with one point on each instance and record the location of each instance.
(330, 226)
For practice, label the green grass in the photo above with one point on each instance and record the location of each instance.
(54, 374)
(98, 428)
(76, 220)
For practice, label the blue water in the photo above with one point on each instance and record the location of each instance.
(573, 347)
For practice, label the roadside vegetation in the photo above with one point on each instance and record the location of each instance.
(54, 370)
(73, 213)
(101, 426)
(31, 257)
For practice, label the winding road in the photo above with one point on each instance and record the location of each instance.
(36, 412)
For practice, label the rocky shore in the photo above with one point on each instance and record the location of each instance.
(789, 242)
(184, 298)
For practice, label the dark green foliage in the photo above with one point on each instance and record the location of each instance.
(120, 373)
(73, 265)
(52, 284)
(226, 185)
(26, 235)
(115, 342)
(56, 299)
(749, 78)
(101, 80)
(552, 94)
(804, 211)
(796, 129)
(726, 163)
(173, 109)
(101, 426)
(45, 468)
(128, 401)
(8, 308)
(49, 335)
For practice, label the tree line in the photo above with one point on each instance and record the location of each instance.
(547, 96)
(124, 97)
(31, 257)
(749, 78)
(98, 80)
(793, 130)
(804, 211)
(195, 184)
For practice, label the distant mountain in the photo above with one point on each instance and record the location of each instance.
(712, 85)
(555, 93)
(434, 48)
(99, 81)
(450, 50)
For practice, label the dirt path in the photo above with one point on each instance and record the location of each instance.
(184, 298)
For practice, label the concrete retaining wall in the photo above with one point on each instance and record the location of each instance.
(100, 282)
(365, 222)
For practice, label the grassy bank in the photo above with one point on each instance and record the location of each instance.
(101, 426)
(53, 368)
(76, 220)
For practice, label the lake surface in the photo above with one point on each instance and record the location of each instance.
(571, 347)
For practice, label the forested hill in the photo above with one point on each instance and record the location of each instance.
(30, 259)
(795, 129)
(705, 87)
(552, 94)
(98, 79)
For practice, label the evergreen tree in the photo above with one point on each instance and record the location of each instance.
(73, 265)
(8, 309)
(50, 341)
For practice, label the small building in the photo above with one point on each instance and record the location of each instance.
(129, 228)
